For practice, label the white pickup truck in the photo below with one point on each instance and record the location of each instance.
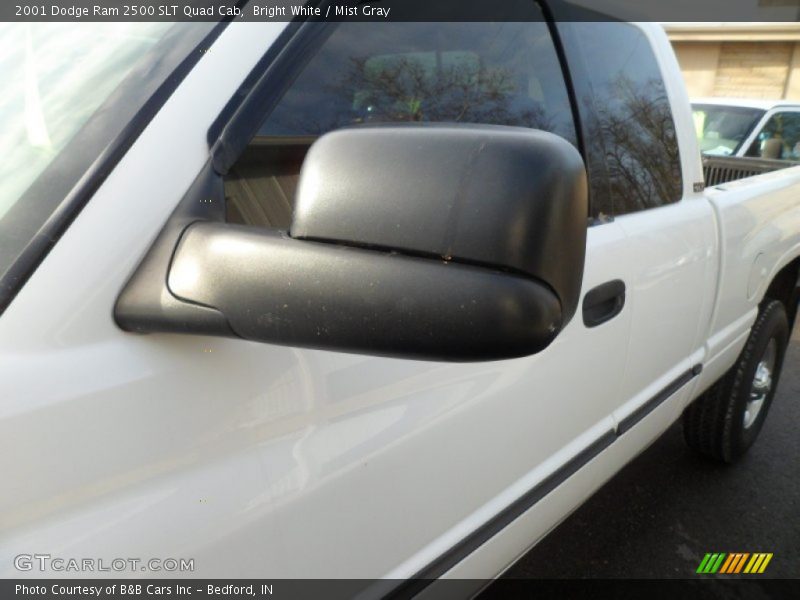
(767, 129)
(739, 138)
(495, 280)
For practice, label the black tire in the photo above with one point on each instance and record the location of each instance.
(714, 424)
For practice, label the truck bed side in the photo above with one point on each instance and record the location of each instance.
(759, 224)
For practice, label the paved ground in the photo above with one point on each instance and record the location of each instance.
(666, 509)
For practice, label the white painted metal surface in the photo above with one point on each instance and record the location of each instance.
(258, 460)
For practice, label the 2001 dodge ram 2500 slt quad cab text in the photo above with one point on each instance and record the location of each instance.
(495, 280)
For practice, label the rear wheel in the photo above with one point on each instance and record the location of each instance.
(725, 421)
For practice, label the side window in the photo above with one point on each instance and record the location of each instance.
(490, 73)
(629, 133)
(779, 139)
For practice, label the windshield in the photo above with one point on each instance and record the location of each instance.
(55, 76)
(721, 130)
(72, 93)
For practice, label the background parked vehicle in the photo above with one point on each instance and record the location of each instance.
(741, 137)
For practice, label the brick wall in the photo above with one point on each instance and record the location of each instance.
(741, 69)
(753, 69)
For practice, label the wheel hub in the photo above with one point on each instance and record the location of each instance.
(761, 385)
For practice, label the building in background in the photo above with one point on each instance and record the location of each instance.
(744, 60)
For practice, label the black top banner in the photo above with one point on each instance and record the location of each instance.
(776, 11)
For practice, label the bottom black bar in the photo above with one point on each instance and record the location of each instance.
(739, 587)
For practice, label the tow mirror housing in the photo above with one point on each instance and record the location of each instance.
(443, 242)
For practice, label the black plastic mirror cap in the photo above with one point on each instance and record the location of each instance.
(145, 304)
(510, 198)
(282, 291)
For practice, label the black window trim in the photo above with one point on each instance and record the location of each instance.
(262, 89)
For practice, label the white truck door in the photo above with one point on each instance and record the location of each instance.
(636, 125)
(259, 460)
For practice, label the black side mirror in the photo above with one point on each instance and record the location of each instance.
(441, 242)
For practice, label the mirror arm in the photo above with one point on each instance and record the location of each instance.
(272, 288)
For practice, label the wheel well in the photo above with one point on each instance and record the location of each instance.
(785, 287)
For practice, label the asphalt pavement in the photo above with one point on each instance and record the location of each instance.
(659, 516)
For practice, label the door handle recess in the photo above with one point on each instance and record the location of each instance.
(603, 303)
